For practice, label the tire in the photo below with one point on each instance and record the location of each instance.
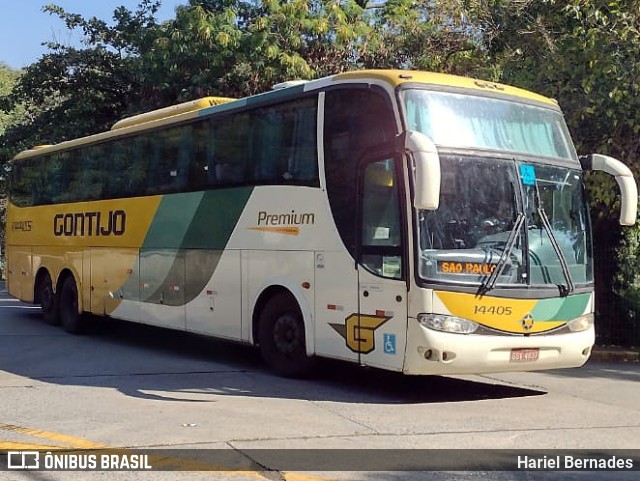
(48, 300)
(281, 336)
(70, 318)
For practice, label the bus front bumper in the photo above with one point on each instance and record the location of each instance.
(434, 352)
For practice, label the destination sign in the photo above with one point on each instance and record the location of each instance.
(477, 268)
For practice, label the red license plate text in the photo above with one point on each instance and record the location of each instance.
(524, 355)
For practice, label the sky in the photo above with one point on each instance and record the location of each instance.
(24, 26)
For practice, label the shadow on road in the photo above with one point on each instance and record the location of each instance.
(160, 364)
(623, 371)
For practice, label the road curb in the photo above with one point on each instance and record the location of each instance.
(615, 354)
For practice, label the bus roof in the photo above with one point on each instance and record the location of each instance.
(399, 77)
(193, 109)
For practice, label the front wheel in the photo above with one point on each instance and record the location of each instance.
(70, 317)
(282, 337)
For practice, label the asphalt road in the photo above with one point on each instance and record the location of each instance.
(214, 405)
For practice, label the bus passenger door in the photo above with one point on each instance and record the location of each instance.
(380, 334)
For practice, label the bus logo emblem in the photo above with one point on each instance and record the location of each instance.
(527, 322)
(358, 331)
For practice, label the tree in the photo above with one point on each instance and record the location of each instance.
(238, 48)
(582, 53)
(72, 92)
(8, 79)
(435, 35)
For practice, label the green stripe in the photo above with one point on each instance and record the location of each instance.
(560, 309)
(254, 100)
(573, 307)
(185, 242)
(215, 218)
(172, 220)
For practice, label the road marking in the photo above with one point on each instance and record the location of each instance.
(304, 477)
(69, 441)
(12, 446)
(180, 464)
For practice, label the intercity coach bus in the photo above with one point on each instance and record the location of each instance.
(410, 221)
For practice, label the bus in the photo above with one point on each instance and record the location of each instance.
(410, 221)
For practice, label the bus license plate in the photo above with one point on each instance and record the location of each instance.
(524, 355)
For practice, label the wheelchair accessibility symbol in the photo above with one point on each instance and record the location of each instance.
(389, 343)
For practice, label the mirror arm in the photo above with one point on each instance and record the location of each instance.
(427, 170)
(625, 180)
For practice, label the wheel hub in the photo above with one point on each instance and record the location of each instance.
(286, 334)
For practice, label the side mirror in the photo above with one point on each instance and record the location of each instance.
(427, 173)
(625, 180)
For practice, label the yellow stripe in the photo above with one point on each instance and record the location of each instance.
(71, 441)
(398, 77)
(278, 230)
(498, 313)
(304, 477)
(140, 212)
(11, 446)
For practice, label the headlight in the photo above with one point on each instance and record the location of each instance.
(439, 322)
(581, 323)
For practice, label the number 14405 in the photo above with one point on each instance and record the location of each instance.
(493, 310)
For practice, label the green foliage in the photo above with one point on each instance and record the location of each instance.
(583, 53)
(626, 283)
(627, 277)
(8, 79)
(437, 35)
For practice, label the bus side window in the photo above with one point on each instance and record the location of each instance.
(185, 155)
(57, 178)
(232, 149)
(381, 221)
(355, 119)
(117, 159)
(136, 174)
(25, 185)
(284, 143)
(303, 162)
(163, 171)
(93, 177)
(200, 171)
(270, 130)
(381, 234)
(37, 170)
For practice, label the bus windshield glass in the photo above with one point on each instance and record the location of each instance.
(480, 202)
(472, 122)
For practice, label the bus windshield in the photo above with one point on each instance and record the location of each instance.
(480, 202)
(472, 122)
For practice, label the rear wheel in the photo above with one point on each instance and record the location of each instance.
(70, 318)
(48, 300)
(282, 337)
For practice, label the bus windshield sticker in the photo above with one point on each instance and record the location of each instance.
(528, 174)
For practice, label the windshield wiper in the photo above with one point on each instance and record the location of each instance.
(504, 257)
(569, 288)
